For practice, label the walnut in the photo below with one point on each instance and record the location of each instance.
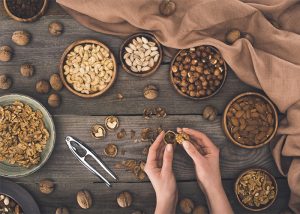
(56, 28)
(27, 70)
(186, 205)
(210, 113)
(167, 7)
(232, 36)
(42, 87)
(21, 38)
(5, 82)
(200, 210)
(46, 186)
(54, 100)
(124, 199)
(111, 150)
(55, 82)
(62, 210)
(84, 199)
(6, 53)
(150, 92)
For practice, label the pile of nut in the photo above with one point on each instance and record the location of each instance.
(250, 120)
(256, 189)
(141, 55)
(8, 205)
(89, 68)
(198, 72)
(23, 134)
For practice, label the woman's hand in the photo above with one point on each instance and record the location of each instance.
(160, 172)
(206, 159)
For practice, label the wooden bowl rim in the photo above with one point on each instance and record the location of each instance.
(270, 176)
(62, 62)
(31, 19)
(122, 48)
(224, 120)
(198, 98)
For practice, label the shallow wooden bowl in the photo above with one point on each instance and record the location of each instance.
(259, 208)
(197, 98)
(62, 63)
(224, 120)
(150, 37)
(31, 19)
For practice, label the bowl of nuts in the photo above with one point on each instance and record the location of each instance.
(256, 189)
(141, 54)
(198, 73)
(88, 68)
(250, 120)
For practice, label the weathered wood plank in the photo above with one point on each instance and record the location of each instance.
(104, 199)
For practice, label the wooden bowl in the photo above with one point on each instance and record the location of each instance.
(31, 19)
(62, 63)
(197, 98)
(254, 208)
(128, 40)
(224, 120)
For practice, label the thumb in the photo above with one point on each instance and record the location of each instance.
(192, 151)
(168, 159)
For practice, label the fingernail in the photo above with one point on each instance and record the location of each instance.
(169, 148)
(185, 144)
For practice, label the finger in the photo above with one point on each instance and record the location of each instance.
(204, 140)
(179, 130)
(168, 159)
(192, 151)
(152, 154)
(160, 155)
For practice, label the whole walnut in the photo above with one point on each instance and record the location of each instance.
(21, 38)
(42, 87)
(5, 82)
(84, 199)
(167, 7)
(150, 92)
(186, 205)
(6, 53)
(200, 210)
(210, 113)
(62, 210)
(27, 70)
(46, 186)
(54, 100)
(55, 28)
(124, 199)
(55, 82)
(232, 36)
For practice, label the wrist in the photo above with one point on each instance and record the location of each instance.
(166, 204)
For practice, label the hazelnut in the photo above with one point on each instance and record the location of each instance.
(84, 199)
(200, 210)
(124, 199)
(62, 210)
(55, 82)
(210, 113)
(232, 36)
(150, 92)
(167, 7)
(186, 205)
(46, 186)
(249, 37)
(55, 28)
(54, 100)
(5, 82)
(21, 38)
(42, 87)
(27, 70)
(6, 53)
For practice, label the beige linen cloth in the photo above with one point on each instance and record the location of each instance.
(272, 63)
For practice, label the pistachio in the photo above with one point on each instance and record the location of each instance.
(46, 186)
(210, 113)
(21, 38)
(84, 199)
(124, 199)
(150, 92)
(232, 36)
(6, 53)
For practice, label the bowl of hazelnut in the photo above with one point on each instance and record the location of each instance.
(198, 73)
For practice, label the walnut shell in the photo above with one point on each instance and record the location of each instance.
(21, 38)
(62, 210)
(210, 113)
(111, 150)
(54, 100)
(232, 36)
(111, 123)
(27, 70)
(46, 186)
(55, 82)
(186, 205)
(56, 28)
(6, 53)
(167, 7)
(200, 210)
(5, 82)
(151, 92)
(42, 87)
(84, 199)
(124, 199)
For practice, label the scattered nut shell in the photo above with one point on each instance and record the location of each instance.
(186, 205)
(56, 28)
(167, 7)
(55, 82)
(150, 92)
(111, 123)
(98, 131)
(6, 53)
(62, 210)
(54, 100)
(27, 70)
(84, 199)
(5, 82)
(46, 186)
(232, 36)
(124, 199)
(210, 113)
(111, 150)
(42, 87)
(21, 38)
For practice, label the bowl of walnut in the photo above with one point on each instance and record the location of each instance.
(88, 68)
(27, 135)
(256, 189)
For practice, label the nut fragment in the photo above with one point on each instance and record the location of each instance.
(111, 123)
(200, 210)
(124, 199)
(150, 92)
(167, 7)
(5, 82)
(62, 210)
(46, 186)
(121, 134)
(54, 100)
(232, 36)
(21, 38)
(42, 87)
(84, 199)
(120, 96)
(55, 82)
(170, 137)
(55, 28)
(111, 150)
(98, 131)
(182, 136)
(186, 205)
(136, 167)
(6, 53)
(27, 70)
(210, 113)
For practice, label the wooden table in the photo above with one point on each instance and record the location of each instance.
(76, 115)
